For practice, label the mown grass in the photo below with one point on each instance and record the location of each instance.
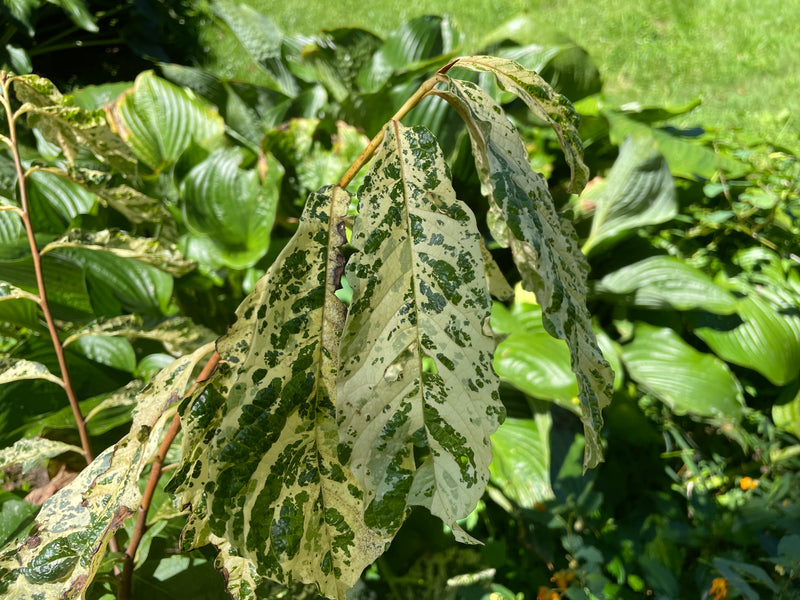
(741, 58)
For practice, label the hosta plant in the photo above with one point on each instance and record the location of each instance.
(357, 380)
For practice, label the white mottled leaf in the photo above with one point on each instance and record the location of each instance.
(29, 452)
(544, 246)
(419, 294)
(15, 369)
(259, 465)
(74, 526)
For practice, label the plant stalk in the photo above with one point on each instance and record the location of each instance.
(37, 267)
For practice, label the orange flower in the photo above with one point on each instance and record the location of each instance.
(719, 589)
(748, 483)
(562, 578)
(547, 594)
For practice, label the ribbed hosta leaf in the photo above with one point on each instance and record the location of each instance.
(663, 282)
(75, 525)
(260, 468)
(544, 246)
(419, 294)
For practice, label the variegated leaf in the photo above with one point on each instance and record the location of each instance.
(260, 468)
(543, 101)
(544, 245)
(28, 453)
(60, 559)
(16, 369)
(416, 359)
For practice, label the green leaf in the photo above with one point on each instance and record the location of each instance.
(75, 525)
(69, 127)
(233, 207)
(106, 350)
(766, 338)
(787, 414)
(419, 293)
(521, 459)
(138, 207)
(543, 244)
(145, 250)
(17, 369)
(638, 191)
(15, 515)
(79, 13)
(688, 381)
(29, 453)
(55, 201)
(259, 464)
(664, 282)
(159, 120)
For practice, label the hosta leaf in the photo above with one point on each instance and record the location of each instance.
(16, 369)
(787, 414)
(259, 467)
(231, 206)
(75, 525)
(70, 127)
(159, 121)
(766, 338)
(110, 351)
(521, 463)
(29, 453)
(638, 191)
(684, 379)
(146, 250)
(543, 244)
(419, 293)
(139, 208)
(663, 282)
(55, 201)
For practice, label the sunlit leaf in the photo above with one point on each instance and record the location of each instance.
(28, 453)
(75, 525)
(684, 379)
(259, 465)
(663, 282)
(419, 293)
(55, 201)
(16, 369)
(113, 352)
(543, 244)
(638, 191)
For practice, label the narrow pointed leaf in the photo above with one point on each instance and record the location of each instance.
(638, 191)
(28, 453)
(544, 245)
(260, 468)
(419, 293)
(663, 282)
(75, 525)
(16, 369)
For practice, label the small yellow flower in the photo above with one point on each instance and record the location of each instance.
(748, 483)
(719, 589)
(562, 578)
(547, 594)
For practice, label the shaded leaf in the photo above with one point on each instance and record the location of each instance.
(138, 207)
(259, 464)
(110, 351)
(419, 293)
(55, 201)
(663, 282)
(638, 191)
(684, 379)
(28, 453)
(75, 525)
(544, 246)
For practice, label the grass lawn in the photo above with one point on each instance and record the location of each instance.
(741, 58)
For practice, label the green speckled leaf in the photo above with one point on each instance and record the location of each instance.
(74, 526)
(29, 452)
(259, 466)
(16, 369)
(544, 245)
(419, 294)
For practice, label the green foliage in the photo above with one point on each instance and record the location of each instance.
(366, 367)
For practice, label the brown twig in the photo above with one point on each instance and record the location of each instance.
(37, 267)
(415, 99)
(126, 579)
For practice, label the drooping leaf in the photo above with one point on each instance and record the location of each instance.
(787, 414)
(419, 293)
(266, 477)
(638, 191)
(75, 525)
(138, 207)
(663, 282)
(521, 459)
(684, 379)
(146, 250)
(232, 207)
(159, 120)
(544, 246)
(28, 453)
(72, 128)
(766, 337)
(16, 369)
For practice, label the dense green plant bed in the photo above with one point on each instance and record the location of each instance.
(372, 354)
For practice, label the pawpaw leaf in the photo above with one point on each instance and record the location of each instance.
(419, 294)
(74, 526)
(544, 245)
(260, 467)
